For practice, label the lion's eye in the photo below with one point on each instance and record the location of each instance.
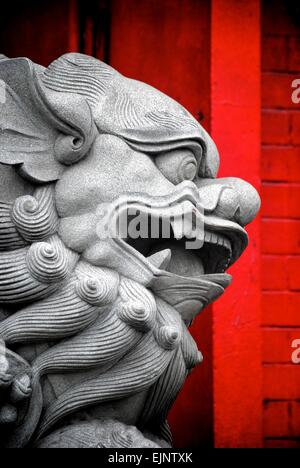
(177, 165)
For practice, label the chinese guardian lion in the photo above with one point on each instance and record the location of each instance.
(94, 340)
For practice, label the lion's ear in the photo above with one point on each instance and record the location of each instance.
(41, 130)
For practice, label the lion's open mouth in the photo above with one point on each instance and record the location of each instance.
(173, 254)
(187, 277)
(220, 242)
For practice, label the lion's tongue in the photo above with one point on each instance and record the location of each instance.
(160, 259)
(174, 258)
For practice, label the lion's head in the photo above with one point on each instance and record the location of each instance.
(102, 320)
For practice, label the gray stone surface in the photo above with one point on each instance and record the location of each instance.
(94, 340)
(100, 433)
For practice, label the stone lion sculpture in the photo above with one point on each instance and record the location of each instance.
(94, 340)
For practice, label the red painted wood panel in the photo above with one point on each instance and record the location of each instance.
(167, 44)
(236, 130)
(38, 29)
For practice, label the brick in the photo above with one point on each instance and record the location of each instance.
(275, 127)
(294, 53)
(277, 344)
(274, 53)
(295, 418)
(274, 273)
(280, 200)
(282, 443)
(277, 90)
(280, 272)
(276, 419)
(280, 164)
(277, 17)
(281, 419)
(281, 309)
(281, 382)
(295, 127)
(293, 264)
(280, 236)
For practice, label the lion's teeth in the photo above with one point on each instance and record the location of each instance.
(177, 226)
(161, 259)
(227, 244)
(207, 236)
(214, 238)
(182, 228)
(220, 240)
(217, 239)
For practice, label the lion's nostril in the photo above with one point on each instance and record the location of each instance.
(229, 198)
(228, 204)
(248, 200)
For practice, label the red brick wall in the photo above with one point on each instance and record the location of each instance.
(280, 173)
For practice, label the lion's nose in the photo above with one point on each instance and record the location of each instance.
(230, 198)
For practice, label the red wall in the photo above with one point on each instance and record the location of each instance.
(235, 126)
(280, 171)
(39, 29)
